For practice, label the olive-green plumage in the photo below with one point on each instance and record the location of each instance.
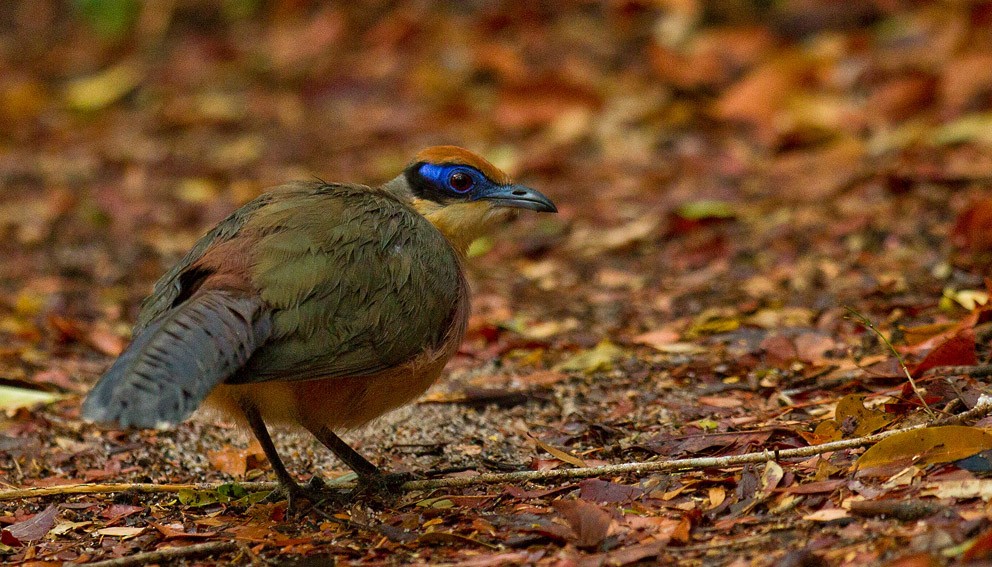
(360, 283)
(318, 304)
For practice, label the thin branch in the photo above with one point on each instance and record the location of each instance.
(983, 408)
(168, 554)
(136, 488)
(909, 376)
(977, 371)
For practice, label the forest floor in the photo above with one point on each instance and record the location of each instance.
(768, 219)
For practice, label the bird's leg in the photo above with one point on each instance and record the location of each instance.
(371, 480)
(288, 487)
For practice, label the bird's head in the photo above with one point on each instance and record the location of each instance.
(462, 194)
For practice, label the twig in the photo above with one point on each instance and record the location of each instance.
(983, 408)
(909, 376)
(977, 371)
(114, 487)
(167, 554)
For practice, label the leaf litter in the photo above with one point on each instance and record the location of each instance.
(729, 179)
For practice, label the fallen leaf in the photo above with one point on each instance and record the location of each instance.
(812, 347)
(120, 531)
(627, 555)
(919, 559)
(706, 209)
(771, 476)
(717, 495)
(177, 532)
(235, 461)
(926, 446)
(828, 515)
(597, 359)
(659, 339)
(980, 549)
(32, 529)
(65, 527)
(856, 420)
(759, 96)
(597, 490)
(104, 88)
(559, 454)
(589, 522)
(976, 127)
(959, 350)
(12, 398)
(960, 489)
(720, 401)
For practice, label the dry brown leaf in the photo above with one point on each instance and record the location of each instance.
(932, 445)
(589, 522)
(120, 531)
(960, 489)
(856, 420)
(559, 454)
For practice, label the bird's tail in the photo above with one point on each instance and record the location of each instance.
(174, 362)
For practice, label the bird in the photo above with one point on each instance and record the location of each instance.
(316, 305)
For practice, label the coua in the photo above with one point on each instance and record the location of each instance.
(318, 305)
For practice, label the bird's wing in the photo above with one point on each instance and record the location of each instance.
(361, 284)
(174, 362)
(186, 276)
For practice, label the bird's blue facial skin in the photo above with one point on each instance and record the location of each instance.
(456, 180)
(450, 183)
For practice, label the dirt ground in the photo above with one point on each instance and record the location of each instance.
(772, 215)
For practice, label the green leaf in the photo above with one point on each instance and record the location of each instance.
(197, 498)
(706, 209)
(110, 19)
(232, 491)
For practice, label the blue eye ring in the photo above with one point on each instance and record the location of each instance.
(460, 181)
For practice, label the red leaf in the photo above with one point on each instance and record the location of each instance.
(31, 529)
(117, 512)
(958, 350)
(973, 228)
(7, 538)
(981, 549)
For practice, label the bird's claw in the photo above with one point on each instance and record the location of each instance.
(382, 486)
(315, 492)
(377, 488)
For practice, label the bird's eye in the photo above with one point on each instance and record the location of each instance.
(460, 181)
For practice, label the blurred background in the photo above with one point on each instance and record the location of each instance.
(742, 153)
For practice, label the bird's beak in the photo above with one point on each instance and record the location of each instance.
(518, 196)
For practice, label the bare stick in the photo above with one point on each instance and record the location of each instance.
(983, 408)
(168, 554)
(137, 488)
(978, 371)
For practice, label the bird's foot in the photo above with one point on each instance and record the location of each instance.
(382, 487)
(315, 492)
